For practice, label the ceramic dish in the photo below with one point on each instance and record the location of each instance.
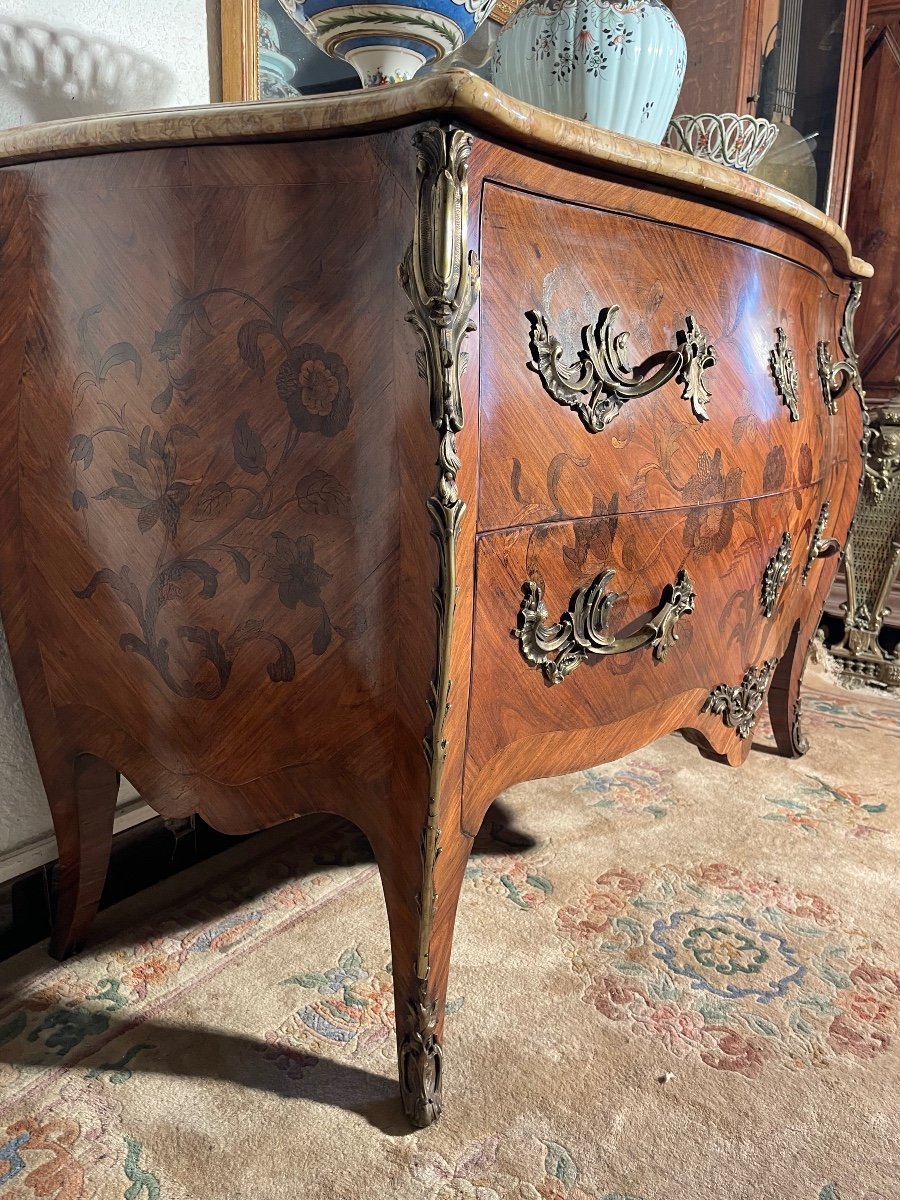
(736, 141)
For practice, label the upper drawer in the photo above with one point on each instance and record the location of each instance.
(569, 263)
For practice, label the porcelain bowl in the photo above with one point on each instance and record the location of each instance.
(735, 141)
(388, 43)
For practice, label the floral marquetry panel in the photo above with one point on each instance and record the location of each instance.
(206, 385)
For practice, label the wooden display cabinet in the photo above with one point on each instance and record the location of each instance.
(868, 592)
(733, 53)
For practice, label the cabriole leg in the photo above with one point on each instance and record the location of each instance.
(421, 894)
(83, 819)
(784, 694)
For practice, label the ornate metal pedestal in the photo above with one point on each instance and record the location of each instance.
(872, 561)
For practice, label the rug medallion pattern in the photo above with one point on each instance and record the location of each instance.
(744, 972)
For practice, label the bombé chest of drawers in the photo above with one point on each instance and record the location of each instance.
(336, 427)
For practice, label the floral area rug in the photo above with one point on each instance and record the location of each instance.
(671, 981)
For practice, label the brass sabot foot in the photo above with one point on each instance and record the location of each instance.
(421, 1063)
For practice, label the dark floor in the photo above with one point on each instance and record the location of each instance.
(141, 856)
(156, 850)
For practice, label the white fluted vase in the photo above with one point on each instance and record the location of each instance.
(618, 64)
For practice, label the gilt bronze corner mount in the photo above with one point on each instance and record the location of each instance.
(441, 279)
(837, 377)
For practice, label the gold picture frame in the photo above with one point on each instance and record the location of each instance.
(240, 49)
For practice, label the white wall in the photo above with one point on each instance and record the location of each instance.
(71, 58)
(74, 58)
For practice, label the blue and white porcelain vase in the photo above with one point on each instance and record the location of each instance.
(275, 69)
(618, 64)
(385, 42)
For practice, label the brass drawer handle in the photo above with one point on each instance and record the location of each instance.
(820, 546)
(600, 382)
(581, 631)
(835, 377)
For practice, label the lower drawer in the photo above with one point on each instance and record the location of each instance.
(534, 671)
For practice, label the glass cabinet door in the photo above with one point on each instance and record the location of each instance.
(799, 84)
(797, 62)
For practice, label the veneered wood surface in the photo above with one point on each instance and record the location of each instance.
(724, 548)
(569, 262)
(456, 96)
(872, 217)
(847, 109)
(207, 466)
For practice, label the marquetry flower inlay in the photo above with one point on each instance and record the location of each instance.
(318, 387)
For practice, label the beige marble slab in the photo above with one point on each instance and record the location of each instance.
(455, 95)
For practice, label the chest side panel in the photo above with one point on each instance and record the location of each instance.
(209, 487)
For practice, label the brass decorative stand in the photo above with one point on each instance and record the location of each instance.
(872, 561)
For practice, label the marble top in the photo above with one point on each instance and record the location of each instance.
(454, 95)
